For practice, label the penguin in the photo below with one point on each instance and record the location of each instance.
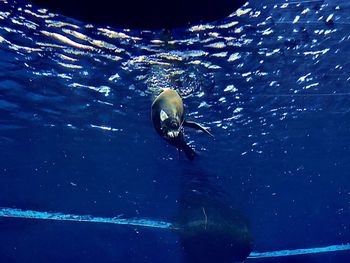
(168, 120)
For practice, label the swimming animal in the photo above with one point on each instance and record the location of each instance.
(168, 120)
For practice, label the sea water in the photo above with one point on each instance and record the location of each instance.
(271, 82)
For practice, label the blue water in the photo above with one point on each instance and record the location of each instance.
(271, 82)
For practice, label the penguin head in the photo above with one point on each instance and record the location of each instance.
(170, 126)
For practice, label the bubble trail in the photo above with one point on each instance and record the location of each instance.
(30, 214)
(302, 251)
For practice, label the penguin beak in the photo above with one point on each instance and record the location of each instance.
(173, 134)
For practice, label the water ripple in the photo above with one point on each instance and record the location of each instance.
(256, 59)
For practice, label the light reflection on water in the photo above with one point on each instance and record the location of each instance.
(265, 80)
(260, 59)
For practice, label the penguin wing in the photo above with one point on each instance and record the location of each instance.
(194, 125)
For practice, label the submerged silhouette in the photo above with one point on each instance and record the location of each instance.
(209, 229)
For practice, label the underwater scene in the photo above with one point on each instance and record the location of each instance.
(254, 167)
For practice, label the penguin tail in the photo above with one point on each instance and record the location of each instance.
(190, 153)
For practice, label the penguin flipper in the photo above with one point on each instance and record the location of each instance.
(194, 125)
